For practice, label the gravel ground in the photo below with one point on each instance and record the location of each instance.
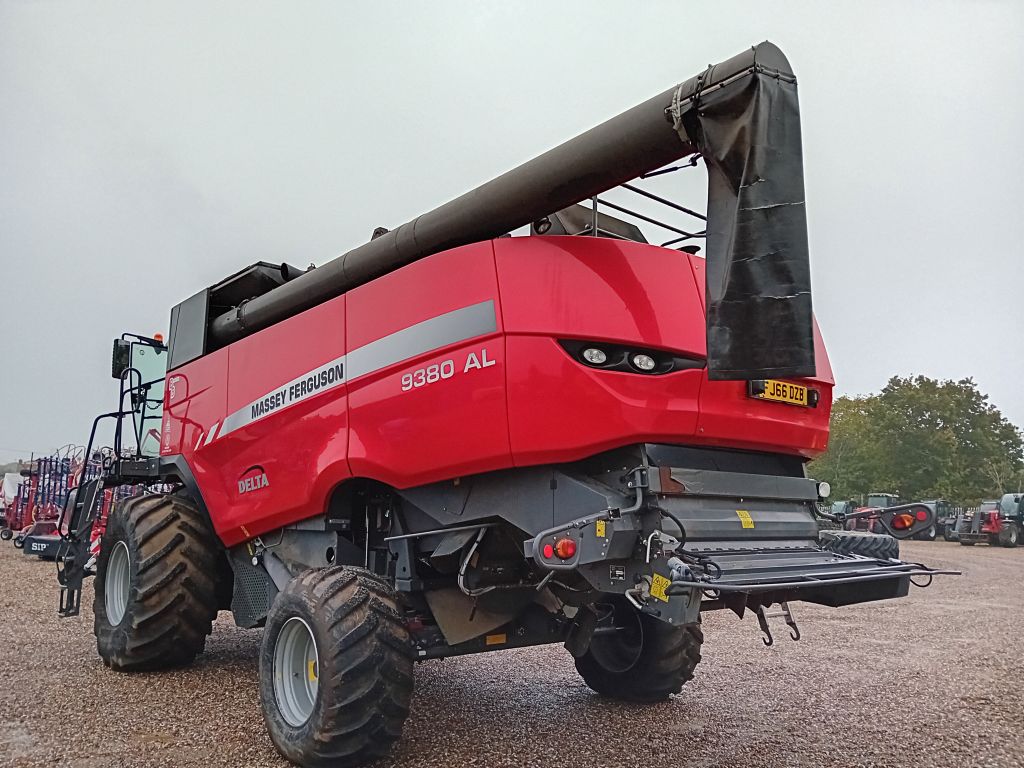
(936, 679)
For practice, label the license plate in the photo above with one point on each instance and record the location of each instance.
(780, 392)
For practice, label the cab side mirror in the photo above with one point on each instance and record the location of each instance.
(121, 359)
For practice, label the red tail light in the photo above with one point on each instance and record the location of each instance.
(565, 548)
(902, 522)
(922, 515)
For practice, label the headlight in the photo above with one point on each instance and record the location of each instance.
(610, 357)
(644, 362)
(824, 490)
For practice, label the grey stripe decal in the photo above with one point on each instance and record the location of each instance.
(327, 376)
(437, 332)
(449, 328)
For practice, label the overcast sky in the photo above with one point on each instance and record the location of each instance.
(150, 149)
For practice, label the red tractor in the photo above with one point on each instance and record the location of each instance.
(999, 522)
(873, 501)
(450, 441)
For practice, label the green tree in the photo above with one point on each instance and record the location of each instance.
(849, 465)
(922, 438)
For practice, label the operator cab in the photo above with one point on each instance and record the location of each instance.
(140, 363)
(1011, 505)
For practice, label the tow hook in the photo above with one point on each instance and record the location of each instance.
(784, 612)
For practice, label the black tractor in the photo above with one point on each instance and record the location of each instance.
(945, 520)
(942, 511)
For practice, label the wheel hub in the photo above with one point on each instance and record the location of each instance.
(296, 672)
(117, 584)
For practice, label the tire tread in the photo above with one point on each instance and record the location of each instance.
(366, 678)
(877, 545)
(172, 600)
(668, 660)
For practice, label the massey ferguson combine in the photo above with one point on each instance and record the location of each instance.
(450, 441)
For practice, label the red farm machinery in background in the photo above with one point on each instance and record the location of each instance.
(48, 485)
(450, 440)
(999, 522)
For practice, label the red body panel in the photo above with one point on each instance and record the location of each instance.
(451, 368)
(993, 523)
(600, 290)
(313, 433)
(446, 428)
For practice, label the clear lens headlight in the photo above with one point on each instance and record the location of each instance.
(644, 362)
(824, 490)
(595, 356)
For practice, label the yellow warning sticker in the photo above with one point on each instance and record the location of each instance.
(658, 586)
(496, 639)
(311, 671)
(745, 519)
(599, 529)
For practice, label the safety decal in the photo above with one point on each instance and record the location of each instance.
(745, 519)
(599, 529)
(658, 586)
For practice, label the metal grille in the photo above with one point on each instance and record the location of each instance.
(251, 598)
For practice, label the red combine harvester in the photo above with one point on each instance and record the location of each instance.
(449, 441)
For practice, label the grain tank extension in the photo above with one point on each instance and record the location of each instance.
(450, 441)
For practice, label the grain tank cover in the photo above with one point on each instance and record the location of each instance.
(741, 115)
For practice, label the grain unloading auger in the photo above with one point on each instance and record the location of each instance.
(449, 441)
(741, 116)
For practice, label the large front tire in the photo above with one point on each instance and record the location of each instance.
(336, 674)
(155, 584)
(646, 660)
(1009, 535)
